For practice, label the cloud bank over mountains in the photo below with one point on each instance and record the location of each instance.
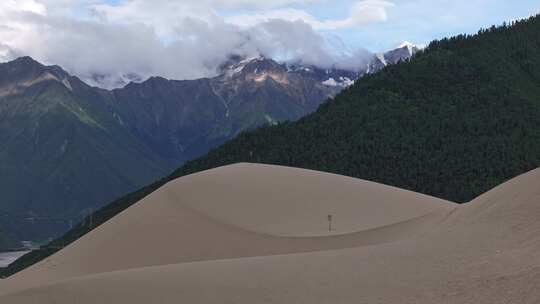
(175, 39)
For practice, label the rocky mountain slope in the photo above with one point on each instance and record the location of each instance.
(181, 120)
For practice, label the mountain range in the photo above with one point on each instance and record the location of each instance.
(458, 119)
(68, 148)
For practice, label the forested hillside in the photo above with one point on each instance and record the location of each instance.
(458, 119)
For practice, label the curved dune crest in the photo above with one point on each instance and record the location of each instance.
(283, 201)
(517, 200)
(241, 210)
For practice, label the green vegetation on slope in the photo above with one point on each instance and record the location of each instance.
(61, 157)
(460, 118)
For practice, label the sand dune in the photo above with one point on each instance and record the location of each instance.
(284, 201)
(482, 252)
(188, 220)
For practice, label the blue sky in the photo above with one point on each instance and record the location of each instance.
(417, 21)
(421, 22)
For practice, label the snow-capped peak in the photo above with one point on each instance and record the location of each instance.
(410, 46)
(381, 57)
(406, 44)
(343, 82)
(251, 59)
(236, 64)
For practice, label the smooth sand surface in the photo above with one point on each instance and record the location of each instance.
(482, 252)
(282, 201)
(187, 220)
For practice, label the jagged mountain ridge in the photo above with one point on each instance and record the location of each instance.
(372, 64)
(247, 93)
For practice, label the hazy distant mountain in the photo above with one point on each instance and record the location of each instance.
(61, 154)
(68, 147)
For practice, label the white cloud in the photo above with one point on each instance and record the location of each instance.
(16, 6)
(215, 4)
(288, 14)
(365, 12)
(361, 13)
(12, 24)
(165, 14)
(175, 39)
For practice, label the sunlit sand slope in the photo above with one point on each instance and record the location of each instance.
(242, 210)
